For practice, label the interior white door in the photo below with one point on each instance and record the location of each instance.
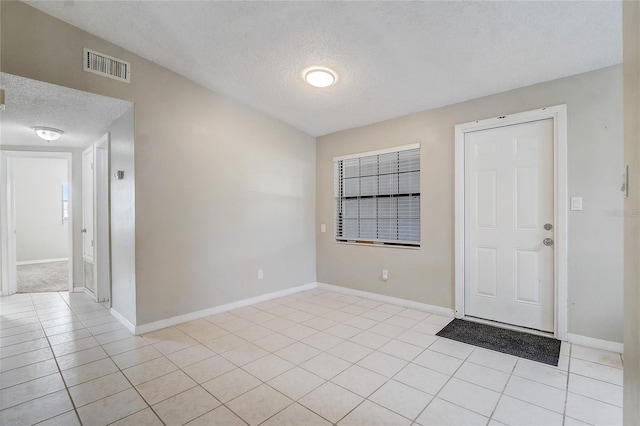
(509, 270)
(87, 220)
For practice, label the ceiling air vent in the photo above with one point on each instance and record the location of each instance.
(107, 66)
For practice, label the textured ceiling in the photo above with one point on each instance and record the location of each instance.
(392, 58)
(29, 103)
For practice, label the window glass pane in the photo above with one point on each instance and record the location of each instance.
(409, 229)
(65, 201)
(387, 208)
(409, 160)
(368, 208)
(350, 209)
(388, 184)
(351, 187)
(350, 228)
(388, 163)
(409, 207)
(351, 168)
(388, 229)
(409, 183)
(368, 228)
(369, 166)
(369, 185)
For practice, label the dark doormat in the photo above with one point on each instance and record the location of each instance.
(524, 345)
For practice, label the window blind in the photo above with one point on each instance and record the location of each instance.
(377, 197)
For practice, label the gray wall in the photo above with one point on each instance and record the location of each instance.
(631, 26)
(221, 190)
(594, 103)
(41, 233)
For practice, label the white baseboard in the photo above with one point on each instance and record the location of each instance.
(88, 292)
(447, 312)
(35, 262)
(117, 315)
(594, 343)
(157, 325)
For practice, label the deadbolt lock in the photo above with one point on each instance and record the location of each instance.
(548, 226)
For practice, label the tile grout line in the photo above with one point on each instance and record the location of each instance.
(504, 388)
(388, 378)
(64, 382)
(121, 372)
(352, 364)
(295, 340)
(566, 393)
(444, 385)
(126, 378)
(294, 401)
(109, 357)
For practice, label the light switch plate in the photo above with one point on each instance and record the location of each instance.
(323, 227)
(576, 203)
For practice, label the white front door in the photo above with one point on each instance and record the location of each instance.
(87, 220)
(509, 270)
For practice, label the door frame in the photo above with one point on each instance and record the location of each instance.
(8, 280)
(102, 221)
(558, 114)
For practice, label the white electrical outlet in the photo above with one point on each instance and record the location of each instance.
(385, 275)
(260, 274)
(323, 227)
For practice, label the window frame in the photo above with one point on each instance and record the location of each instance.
(339, 198)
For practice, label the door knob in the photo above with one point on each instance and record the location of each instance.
(547, 242)
(84, 230)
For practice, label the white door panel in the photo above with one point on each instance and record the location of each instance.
(508, 200)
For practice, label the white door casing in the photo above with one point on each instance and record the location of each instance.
(88, 219)
(508, 200)
(504, 272)
(102, 270)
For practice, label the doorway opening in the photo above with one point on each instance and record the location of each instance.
(40, 220)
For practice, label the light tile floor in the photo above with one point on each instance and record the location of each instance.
(312, 358)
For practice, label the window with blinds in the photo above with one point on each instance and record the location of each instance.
(377, 197)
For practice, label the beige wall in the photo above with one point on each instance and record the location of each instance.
(221, 190)
(594, 103)
(631, 25)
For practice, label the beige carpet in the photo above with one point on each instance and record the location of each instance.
(40, 277)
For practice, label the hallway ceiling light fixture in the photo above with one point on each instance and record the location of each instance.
(48, 133)
(320, 77)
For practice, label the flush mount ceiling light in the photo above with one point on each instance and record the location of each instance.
(48, 133)
(319, 77)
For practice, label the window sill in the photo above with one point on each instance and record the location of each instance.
(369, 244)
